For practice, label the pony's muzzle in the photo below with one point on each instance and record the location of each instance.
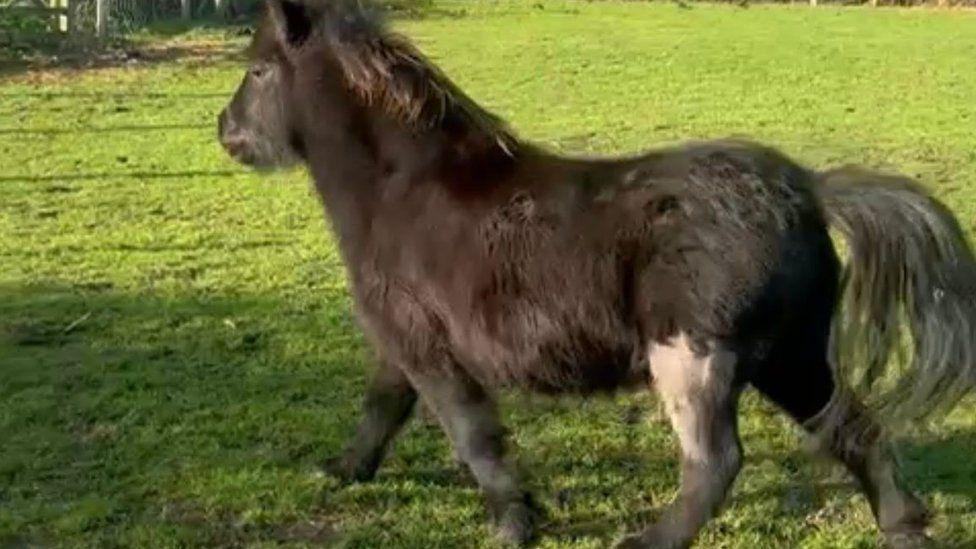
(232, 139)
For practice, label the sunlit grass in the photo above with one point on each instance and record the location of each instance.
(177, 353)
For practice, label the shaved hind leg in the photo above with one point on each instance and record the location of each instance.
(700, 394)
(804, 387)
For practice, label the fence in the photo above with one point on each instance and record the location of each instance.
(60, 19)
(57, 20)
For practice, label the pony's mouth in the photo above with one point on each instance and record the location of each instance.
(235, 140)
(240, 151)
(245, 151)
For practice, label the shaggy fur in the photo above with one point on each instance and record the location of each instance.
(478, 260)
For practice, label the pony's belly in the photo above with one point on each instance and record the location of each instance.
(566, 362)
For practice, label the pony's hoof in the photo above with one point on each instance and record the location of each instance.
(347, 472)
(336, 467)
(633, 541)
(907, 540)
(652, 538)
(516, 524)
(906, 525)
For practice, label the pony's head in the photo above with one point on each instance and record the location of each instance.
(330, 70)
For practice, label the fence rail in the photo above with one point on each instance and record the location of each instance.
(61, 19)
(74, 18)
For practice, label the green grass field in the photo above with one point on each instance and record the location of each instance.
(177, 354)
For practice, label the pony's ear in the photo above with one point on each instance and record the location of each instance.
(293, 21)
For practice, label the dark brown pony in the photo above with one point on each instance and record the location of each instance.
(478, 260)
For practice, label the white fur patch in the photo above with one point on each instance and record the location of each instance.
(691, 387)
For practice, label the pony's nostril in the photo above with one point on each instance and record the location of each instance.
(238, 148)
(229, 137)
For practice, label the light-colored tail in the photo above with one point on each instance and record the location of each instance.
(904, 338)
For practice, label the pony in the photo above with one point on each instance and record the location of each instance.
(478, 260)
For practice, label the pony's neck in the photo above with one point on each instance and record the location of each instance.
(375, 163)
(348, 169)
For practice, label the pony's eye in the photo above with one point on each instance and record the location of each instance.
(258, 71)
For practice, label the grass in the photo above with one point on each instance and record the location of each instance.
(177, 354)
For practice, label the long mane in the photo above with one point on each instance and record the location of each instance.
(386, 71)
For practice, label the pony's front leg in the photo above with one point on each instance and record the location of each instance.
(700, 393)
(469, 417)
(388, 404)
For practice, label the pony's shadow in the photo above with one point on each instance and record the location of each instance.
(942, 464)
(943, 467)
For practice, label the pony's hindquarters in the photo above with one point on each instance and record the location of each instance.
(891, 341)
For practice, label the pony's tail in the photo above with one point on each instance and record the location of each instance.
(904, 338)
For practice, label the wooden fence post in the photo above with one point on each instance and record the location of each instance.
(101, 18)
(59, 22)
(70, 19)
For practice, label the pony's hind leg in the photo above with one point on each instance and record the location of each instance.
(799, 379)
(700, 393)
(388, 404)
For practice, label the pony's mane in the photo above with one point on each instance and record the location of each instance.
(386, 71)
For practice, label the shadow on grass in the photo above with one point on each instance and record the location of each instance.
(113, 95)
(200, 40)
(203, 39)
(125, 413)
(120, 175)
(235, 25)
(944, 463)
(943, 466)
(121, 128)
(190, 413)
(940, 468)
